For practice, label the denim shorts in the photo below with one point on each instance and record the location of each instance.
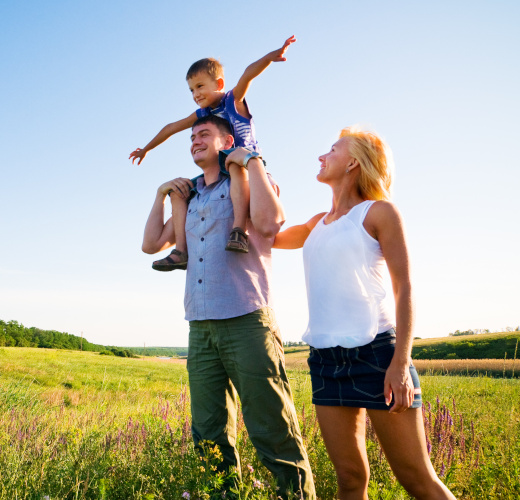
(355, 377)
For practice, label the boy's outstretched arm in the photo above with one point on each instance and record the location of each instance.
(255, 69)
(166, 132)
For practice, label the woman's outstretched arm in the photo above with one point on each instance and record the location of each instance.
(295, 236)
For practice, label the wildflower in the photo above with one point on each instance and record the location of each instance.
(250, 467)
(186, 495)
(257, 484)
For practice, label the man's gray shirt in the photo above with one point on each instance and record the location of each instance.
(222, 284)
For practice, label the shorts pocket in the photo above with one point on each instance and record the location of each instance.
(316, 367)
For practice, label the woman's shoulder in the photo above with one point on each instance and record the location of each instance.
(382, 208)
(381, 215)
(311, 223)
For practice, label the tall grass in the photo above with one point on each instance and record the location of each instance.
(77, 426)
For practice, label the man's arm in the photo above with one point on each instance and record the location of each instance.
(159, 235)
(166, 132)
(265, 207)
(255, 69)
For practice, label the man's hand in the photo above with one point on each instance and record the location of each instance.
(278, 55)
(179, 187)
(398, 382)
(138, 153)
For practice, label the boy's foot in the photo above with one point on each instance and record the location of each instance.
(169, 264)
(238, 241)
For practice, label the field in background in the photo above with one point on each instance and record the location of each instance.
(296, 358)
(80, 425)
(481, 346)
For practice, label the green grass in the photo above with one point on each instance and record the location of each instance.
(78, 425)
(481, 346)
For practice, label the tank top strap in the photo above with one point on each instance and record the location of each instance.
(359, 212)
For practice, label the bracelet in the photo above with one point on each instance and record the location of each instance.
(249, 156)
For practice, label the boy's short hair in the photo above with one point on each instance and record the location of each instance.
(223, 126)
(207, 65)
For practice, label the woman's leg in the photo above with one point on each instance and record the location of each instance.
(403, 440)
(343, 431)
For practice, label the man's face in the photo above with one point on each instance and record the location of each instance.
(206, 142)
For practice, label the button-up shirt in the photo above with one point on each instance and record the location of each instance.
(221, 284)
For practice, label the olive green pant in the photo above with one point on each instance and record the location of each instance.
(244, 355)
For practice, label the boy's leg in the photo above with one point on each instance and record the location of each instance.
(178, 258)
(239, 192)
(179, 212)
(252, 353)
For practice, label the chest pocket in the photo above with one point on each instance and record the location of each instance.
(219, 205)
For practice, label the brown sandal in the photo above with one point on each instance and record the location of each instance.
(238, 241)
(168, 264)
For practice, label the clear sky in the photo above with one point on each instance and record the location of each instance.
(85, 83)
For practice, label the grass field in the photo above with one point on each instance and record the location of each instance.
(78, 425)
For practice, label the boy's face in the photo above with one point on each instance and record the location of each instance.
(205, 90)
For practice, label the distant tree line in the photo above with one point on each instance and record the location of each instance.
(458, 333)
(14, 334)
(171, 352)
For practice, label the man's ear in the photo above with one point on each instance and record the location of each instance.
(229, 141)
(220, 84)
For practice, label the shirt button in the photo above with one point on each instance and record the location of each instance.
(222, 196)
(201, 259)
(200, 281)
(189, 211)
(202, 239)
(202, 218)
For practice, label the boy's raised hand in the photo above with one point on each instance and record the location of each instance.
(138, 153)
(278, 55)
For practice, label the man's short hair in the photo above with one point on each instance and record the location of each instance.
(208, 65)
(222, 125)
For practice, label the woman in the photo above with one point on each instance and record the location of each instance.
(360, 356)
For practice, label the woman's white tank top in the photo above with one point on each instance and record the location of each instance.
(344, 269)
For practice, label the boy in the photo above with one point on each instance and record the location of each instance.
(206, 83)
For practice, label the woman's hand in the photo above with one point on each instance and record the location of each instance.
(398, 382)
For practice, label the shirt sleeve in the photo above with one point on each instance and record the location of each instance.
(201, 112)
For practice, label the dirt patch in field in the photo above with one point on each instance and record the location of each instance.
(176, 361)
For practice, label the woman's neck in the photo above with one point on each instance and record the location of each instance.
(344, 198)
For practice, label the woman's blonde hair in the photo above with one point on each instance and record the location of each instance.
(375, 161)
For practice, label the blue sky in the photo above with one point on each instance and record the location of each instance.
(85, 83)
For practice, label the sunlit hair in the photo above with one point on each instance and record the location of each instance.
(208, 65)
(375, 161)
(222, 125)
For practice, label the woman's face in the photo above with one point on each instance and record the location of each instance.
(334, 163)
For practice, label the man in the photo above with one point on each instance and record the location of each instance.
(235, 345)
